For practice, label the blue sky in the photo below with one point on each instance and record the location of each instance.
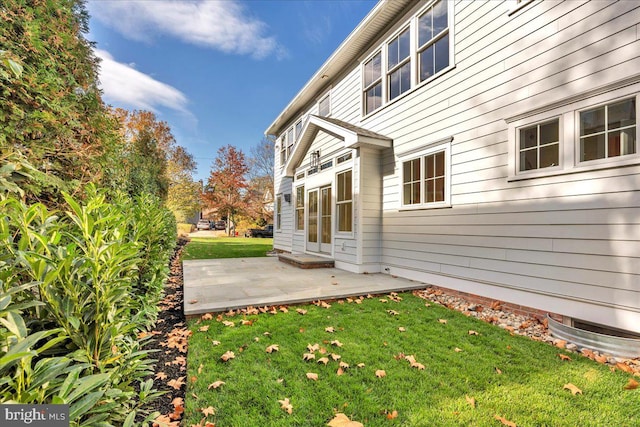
(218, 71)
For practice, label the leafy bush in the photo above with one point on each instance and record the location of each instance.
(76, 288)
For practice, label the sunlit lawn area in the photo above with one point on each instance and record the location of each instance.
(226, 247)
(467, 380)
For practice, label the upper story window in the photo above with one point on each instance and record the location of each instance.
(421, 50)
(298, 128)
(433, 40)
(373, 83)
(608, 131)
(324, 106)
(399, 64)
(283, 151)
(539, 146)
(290, 141)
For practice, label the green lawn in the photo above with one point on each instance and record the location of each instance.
(226, 247)
(507, 376)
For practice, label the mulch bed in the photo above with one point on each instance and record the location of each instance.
(169, 346)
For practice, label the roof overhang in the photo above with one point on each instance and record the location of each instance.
(355, 45)
(351, 135)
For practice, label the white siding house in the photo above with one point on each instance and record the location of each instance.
(483, 146)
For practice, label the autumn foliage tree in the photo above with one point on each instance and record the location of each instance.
(226, 187)
(260, 186)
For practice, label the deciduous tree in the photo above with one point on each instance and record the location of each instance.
(226, 187)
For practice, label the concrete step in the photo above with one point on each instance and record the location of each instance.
(306, 261)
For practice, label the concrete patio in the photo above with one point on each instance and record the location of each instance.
(215, 285)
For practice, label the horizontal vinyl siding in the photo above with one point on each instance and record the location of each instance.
(573, 236)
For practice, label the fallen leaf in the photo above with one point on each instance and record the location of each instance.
(312, 376)
(498, 371)
(329, 329)
(382, 300)
(193, 301)
(165, 421)
(228, 323)
(574, 390)
(161, 376)
(193, 379)
(336, 343)
(471, 401)
(208, 411)
(215, 385)
(380, 373)
(284, 309)
(214, 342)
(631, 385)
(392, 415)
(178, 401)
(504, 421)
(340, 371)
(335, 357)
(624, 367)
(246, 322)
(393, 312)
(443, 321)
(471, 332)
(228, 356)
(207, 316)
(341, 420)
(272, 348)
(417, 365)
(176, 383)
(313, 348)
(344, 365)
(323, 360)
(360, 365)
(564, 357)
(457, 350)
(601, 359)
(286, 405)
(561, 344)
(308, 356)
(402, 329)
(301, 311)
(204, 328)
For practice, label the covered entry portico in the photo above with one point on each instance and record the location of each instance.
(336, 177)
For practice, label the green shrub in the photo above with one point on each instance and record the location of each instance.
(76, 289)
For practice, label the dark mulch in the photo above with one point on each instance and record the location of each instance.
(169, 344)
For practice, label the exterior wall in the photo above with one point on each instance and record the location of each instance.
(567, 242)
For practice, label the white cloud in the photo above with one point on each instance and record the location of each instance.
(123, 84)
(222, 25)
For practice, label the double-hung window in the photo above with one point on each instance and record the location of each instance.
(433, 40)
(608, 131)
(283, 151)
(399, 64)
(290, 141)
(425, 178)
(300, 208)
(373, 83)
(344, 201)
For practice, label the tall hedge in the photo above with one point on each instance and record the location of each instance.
(76, 288)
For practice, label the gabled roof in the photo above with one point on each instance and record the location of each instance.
(368, 31)
(352, 136)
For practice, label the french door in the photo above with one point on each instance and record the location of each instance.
(319, 220)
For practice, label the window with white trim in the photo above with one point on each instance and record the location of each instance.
(399, 64)
(373, 83)
(300, 208)
(290, 141)
(420, 51)
(324, 106)
(298, 128)
(589, 132)
(539, 146)
(283, 151)
(433, 41)
(278, 211)
(608, 131)
(344, 201)
(426, 178)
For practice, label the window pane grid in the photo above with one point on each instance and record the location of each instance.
(300, 208)
(540, 146)
(344, 202)
(608, 131)
(434, 177)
